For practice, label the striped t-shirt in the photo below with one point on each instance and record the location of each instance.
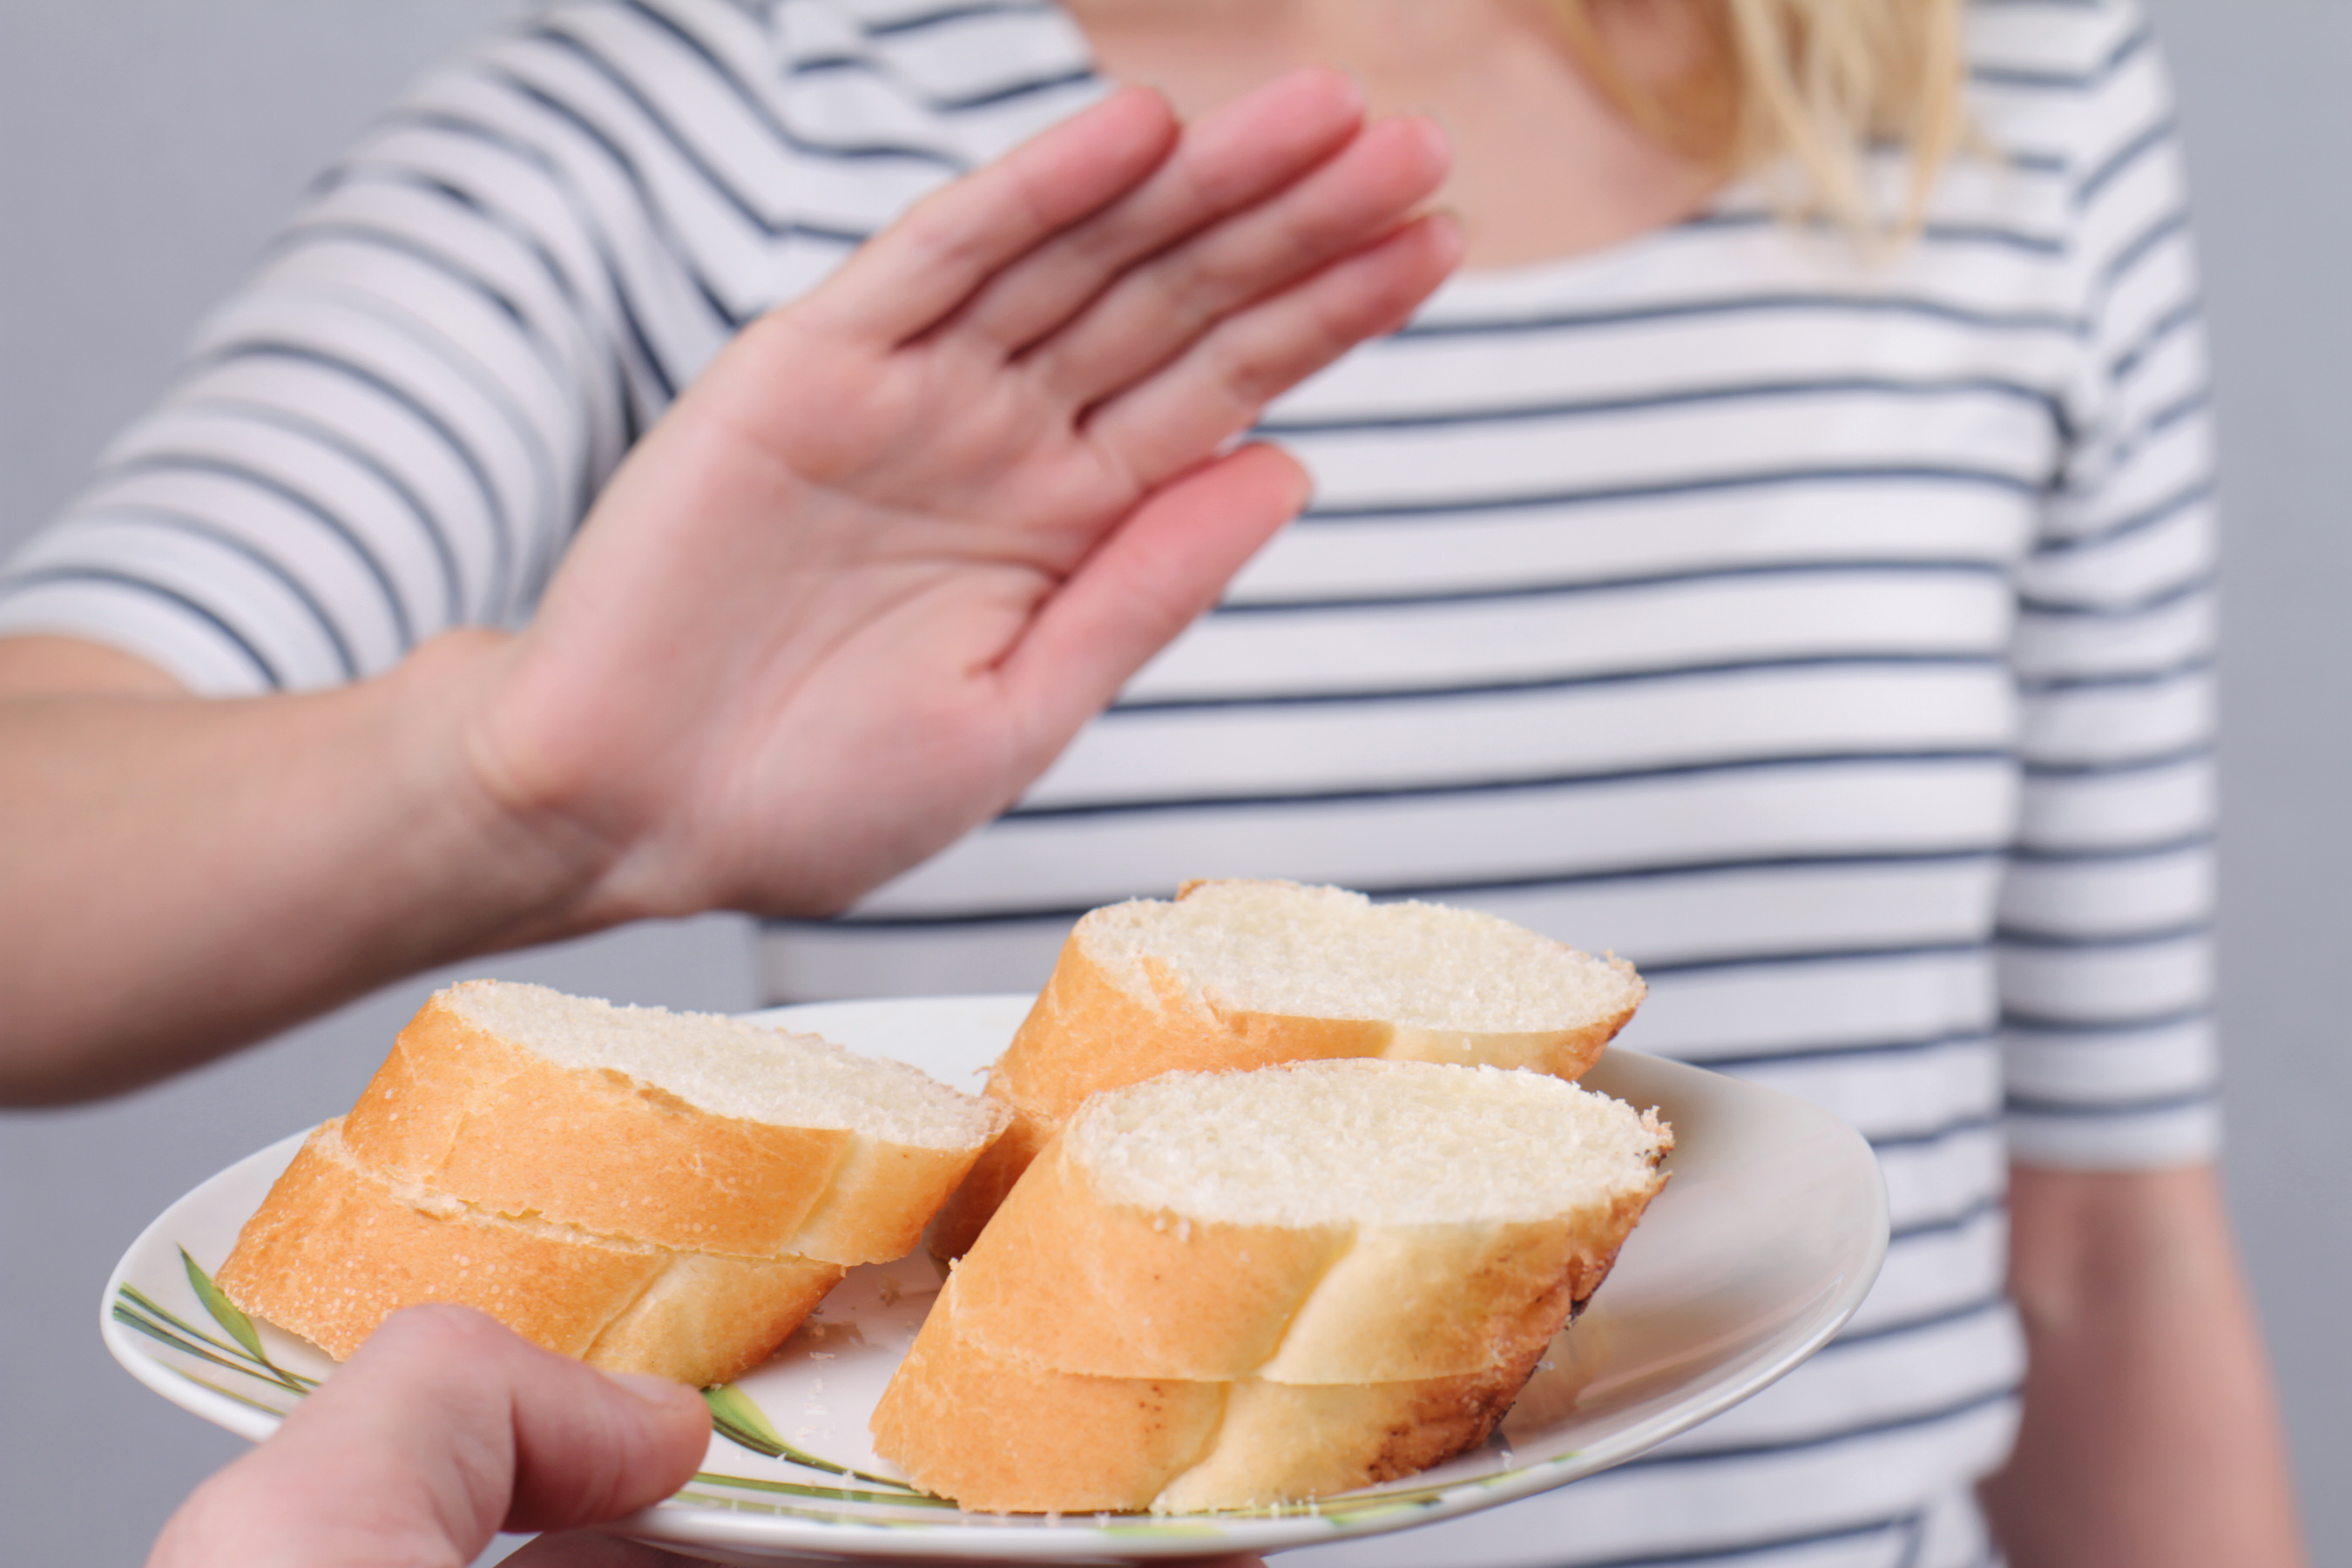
(1830, 635)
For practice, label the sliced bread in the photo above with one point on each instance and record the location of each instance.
(1221, 1290)
(1081, 1444)
(1238, 975)
(657, 1192)
(339, 1248)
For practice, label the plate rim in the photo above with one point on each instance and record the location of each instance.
(676, 1524)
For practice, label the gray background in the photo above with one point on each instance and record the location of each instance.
(151, 145)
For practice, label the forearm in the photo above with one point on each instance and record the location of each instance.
(844, 602)
(2150, 1435)
(181, 877)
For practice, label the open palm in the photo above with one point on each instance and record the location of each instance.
(905, 536)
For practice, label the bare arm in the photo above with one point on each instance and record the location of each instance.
(860, 585)
(2151, 1436)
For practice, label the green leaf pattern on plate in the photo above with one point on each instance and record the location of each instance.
(737, 1417)
(224, 1311)
(740, 1421)
(135, 1310)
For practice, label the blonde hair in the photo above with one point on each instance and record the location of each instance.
(1806, 85)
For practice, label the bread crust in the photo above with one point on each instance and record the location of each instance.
(336, 1248)
(1000, 1433)
(1073, 1357)
(1087, 1032)
(706, 1320)
(331, 1254)
(460, 1109)
(1072, 1281)
(991, 1178)
(1287, 1442)
(1075, 1281)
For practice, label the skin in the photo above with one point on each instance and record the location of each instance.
(442, 1430)
(2150, 1436)
(839, 606)
(1544, 168)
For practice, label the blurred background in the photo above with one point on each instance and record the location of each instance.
(151, 145)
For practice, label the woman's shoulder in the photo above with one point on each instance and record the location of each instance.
(2054, 52)
(2058, 78)
(2050, 37)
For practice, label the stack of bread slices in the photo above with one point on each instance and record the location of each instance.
(1216, 1291)
(1240, 975)
(650, 1191)
(1274, 1214)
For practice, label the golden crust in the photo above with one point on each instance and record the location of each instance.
(335, 1250)
(465, 1113)
(708, 1320)
(1082, 1345)
(1420, 1302)
(881, 1197)
(1086, 1033)
(1003, 1434)
(1075, 1282)
(1072, 1283)
(1291, 1442)
(970, 1207)
(331, 1254)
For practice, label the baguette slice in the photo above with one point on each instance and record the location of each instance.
(653, 1191)
(687, 1130)
(338, 1247)
(1085, 1444)
(1239, 975)
(1228, 1289)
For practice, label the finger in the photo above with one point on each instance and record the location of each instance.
(920, 268)
(1154, 576)
(444, 1427)
(1158, 310)
(1220, 385)
(584, 1455)
(1229, 159)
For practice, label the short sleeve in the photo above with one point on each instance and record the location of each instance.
(394, 427)
(2106, 924)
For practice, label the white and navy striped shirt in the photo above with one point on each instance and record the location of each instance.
(1832, 637)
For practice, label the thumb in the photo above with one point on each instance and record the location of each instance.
(444, 1427)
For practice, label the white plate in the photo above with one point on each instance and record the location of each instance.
(1763, 1244)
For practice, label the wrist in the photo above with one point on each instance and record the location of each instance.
(536, 864)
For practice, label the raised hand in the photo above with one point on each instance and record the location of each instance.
(905, 536)
(842, 603)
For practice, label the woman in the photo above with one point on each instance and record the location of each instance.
(1781, 557)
